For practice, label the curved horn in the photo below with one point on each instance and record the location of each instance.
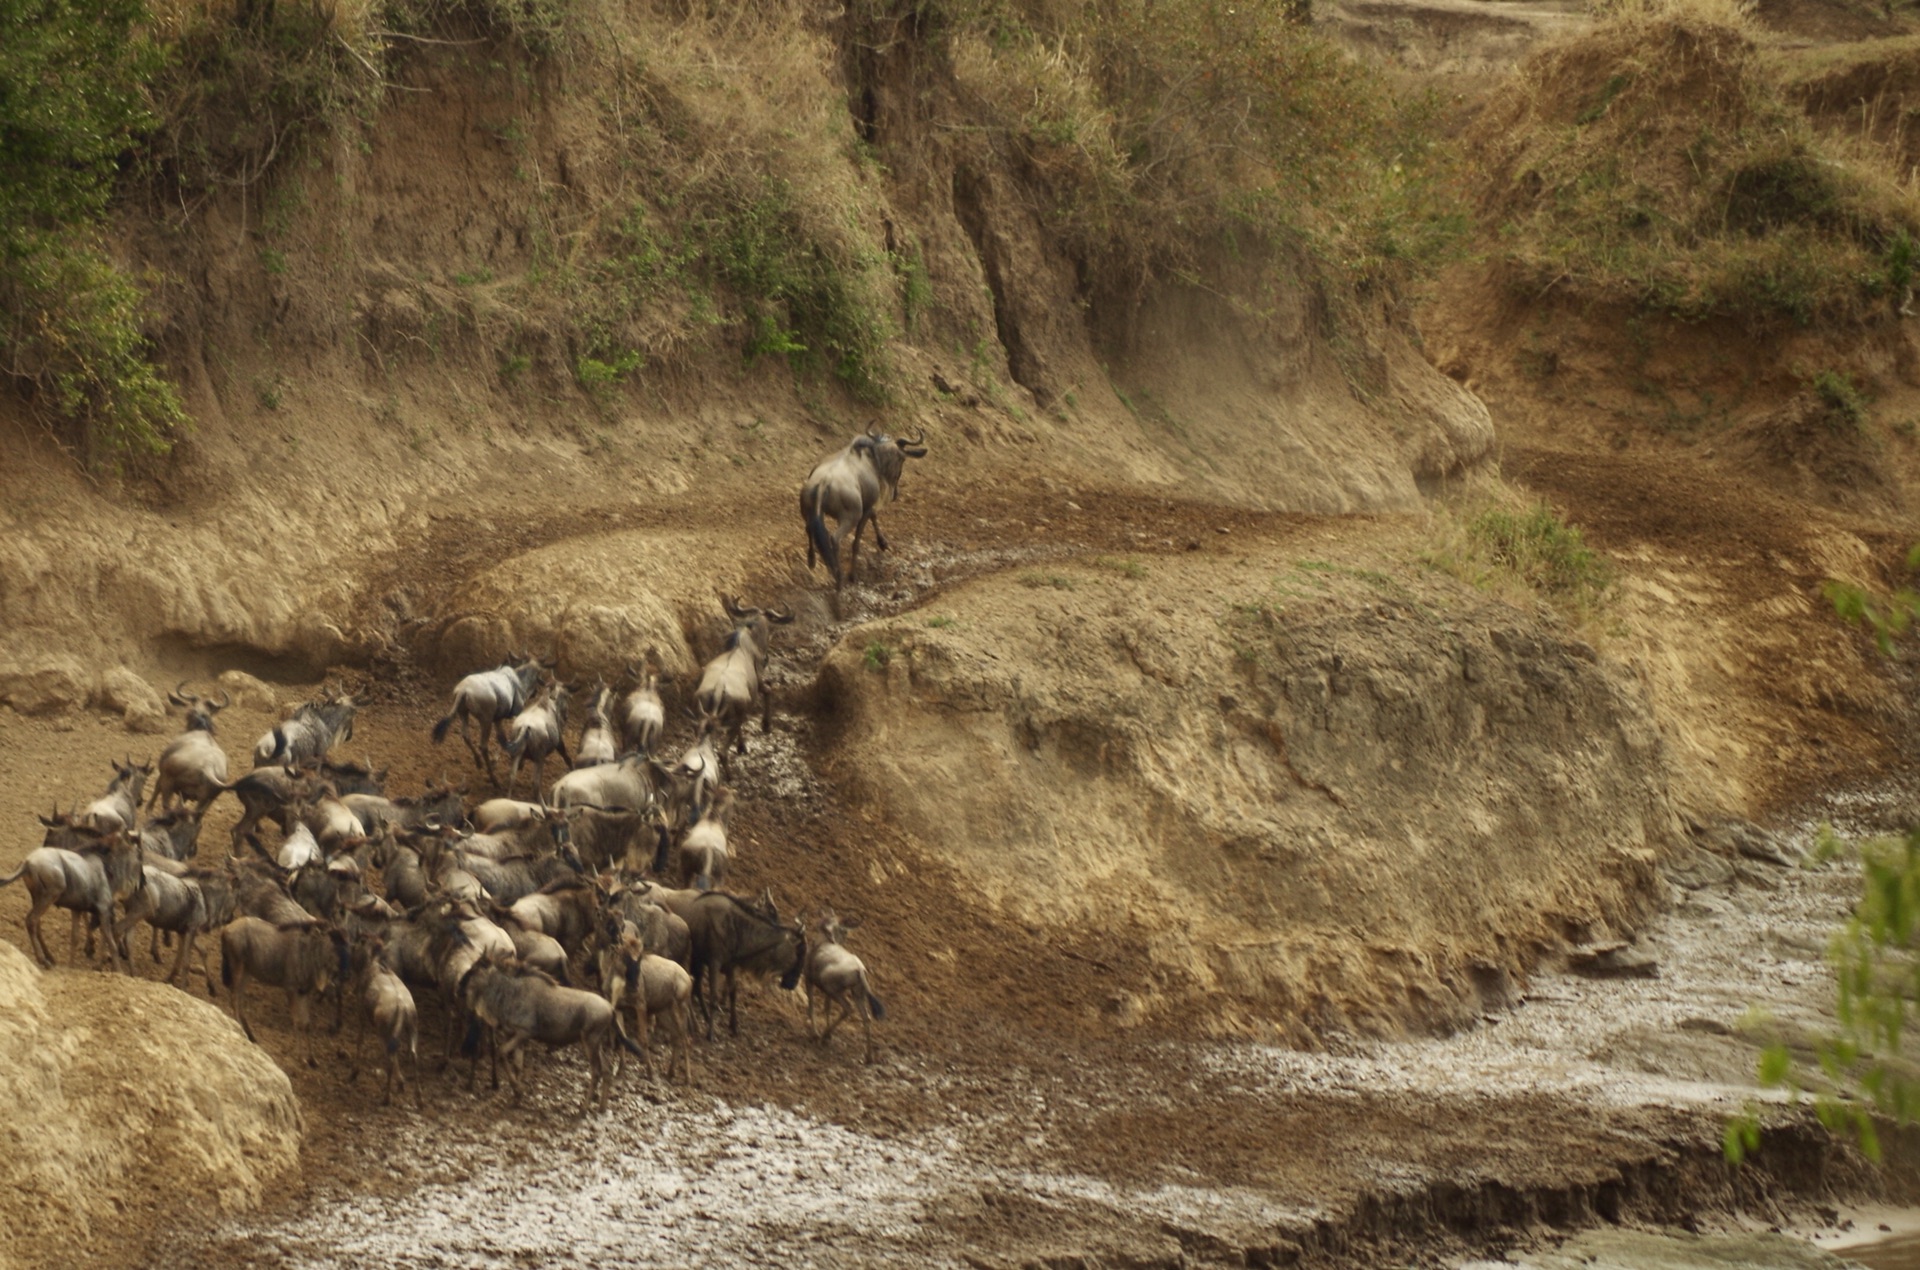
(919, 440)
(225, 701)
(732, 606)
(778, 618)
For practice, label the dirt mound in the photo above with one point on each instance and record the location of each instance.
(1819, 450)
(1870, 90)
(125, 1099)
(1354, 803)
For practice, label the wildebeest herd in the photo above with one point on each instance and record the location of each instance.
(545, 920)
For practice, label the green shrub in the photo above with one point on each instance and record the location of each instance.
(1541, 548)
(1845, 401)
(803, 300)
(72, 81)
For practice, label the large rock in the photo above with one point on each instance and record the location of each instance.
(1336, 798)
(123, 1096)
(134, 699)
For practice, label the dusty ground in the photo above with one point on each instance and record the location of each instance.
(1012, 1114)
(1026, 1107)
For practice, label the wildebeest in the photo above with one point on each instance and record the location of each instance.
(564, 909)
(598, 741)
(656, 988)
(308, 734)
(661, 930)
(519, 1004)
(643, 716)
(536, 732)
(731, 935)
(303, 959)
(499, 814)
(193, 767)
(605, 839)
(386, 1002)
(274, 793)
(850, 487)
(733, 682)
(440, 804)
(174, 833)
(184, 905)
(490, 698)
(696, 775)
(118, 808)
(86, 878)
(841, 978)
(704, 855)
(627, 785)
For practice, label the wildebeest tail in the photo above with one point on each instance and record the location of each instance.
(440, 729)
(817, 535)
(873, 1002)
(620, 1030)
(15, 875)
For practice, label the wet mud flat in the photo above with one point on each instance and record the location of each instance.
(1596, 1099)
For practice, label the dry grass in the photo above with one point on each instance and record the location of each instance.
(1659, 160)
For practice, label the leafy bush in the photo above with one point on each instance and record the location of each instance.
(71, 102)
(1841, 397)
(803, 302)
(1541, 548)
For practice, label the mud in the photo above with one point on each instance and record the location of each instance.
(1003, 1143)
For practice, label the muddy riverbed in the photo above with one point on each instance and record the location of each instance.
(1593, 1098)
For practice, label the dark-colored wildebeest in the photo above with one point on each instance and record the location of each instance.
(731, 935)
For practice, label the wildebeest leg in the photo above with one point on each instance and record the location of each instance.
(733, 1002)
(73, 938)
(180, 958)
(35, 936)
(879, 539)
(239, 989)
(513, 773)
(300, 1006)
(811, 1029)
(836, 1011)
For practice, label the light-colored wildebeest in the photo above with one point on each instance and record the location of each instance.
(119, 806)
(628, 785)
(490, 698)
(536, 732)
(850, 487)
(704, 855)
(599, 741)
(519, 1004)
(656, 988)
(308, 734)
(387, 1003)
(302, 958)
(731, 935)
(841, 978)
(193, 767)
(733, 682)
(185, 905)
(86, 876)
(643, 716)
